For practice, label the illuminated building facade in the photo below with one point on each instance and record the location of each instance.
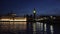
(12, 23)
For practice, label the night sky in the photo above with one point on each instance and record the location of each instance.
(21, 7)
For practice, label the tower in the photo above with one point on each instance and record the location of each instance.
(34, 21)
(34, 12)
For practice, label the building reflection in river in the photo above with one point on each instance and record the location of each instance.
(12, 24)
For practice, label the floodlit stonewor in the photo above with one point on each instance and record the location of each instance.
(13, 23)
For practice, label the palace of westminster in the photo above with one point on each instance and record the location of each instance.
(29, 24)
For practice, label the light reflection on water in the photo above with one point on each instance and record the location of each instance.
(12, 27)
(20, 27)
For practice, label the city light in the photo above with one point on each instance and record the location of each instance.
(51, 28)
(44, 27)
(23, 19)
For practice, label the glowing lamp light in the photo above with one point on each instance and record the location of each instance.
(34, 11)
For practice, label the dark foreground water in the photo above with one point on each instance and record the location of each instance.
(48, 29)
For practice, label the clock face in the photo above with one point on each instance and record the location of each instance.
(34, 11)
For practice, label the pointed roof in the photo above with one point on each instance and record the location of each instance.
(34, 11)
